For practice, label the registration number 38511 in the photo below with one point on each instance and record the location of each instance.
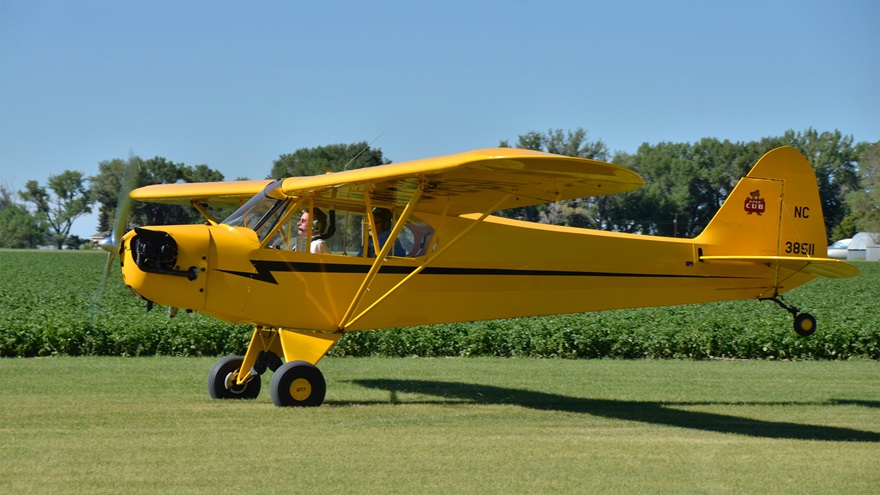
(804, 248)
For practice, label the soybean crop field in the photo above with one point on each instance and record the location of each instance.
(52, 303)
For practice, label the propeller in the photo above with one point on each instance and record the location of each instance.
(123, 207)
(111, 244)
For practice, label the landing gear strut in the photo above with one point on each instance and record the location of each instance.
(804, 323)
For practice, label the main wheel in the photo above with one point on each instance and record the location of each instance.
(298, 383)
(804, 324)
(222, 378)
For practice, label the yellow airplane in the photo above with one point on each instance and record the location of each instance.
(298, 259)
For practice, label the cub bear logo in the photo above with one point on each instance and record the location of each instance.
(754, 203)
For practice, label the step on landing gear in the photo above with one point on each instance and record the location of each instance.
(804, 323)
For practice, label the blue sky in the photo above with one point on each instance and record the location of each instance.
(236, 84)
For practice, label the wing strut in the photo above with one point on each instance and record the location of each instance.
(204, 211)
(347, 322)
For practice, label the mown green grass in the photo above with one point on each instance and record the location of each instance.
(465, 425)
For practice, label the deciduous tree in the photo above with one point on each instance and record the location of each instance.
(106, 186)
(323, 159)
(65, 200)
(18, 227)
(863, 204)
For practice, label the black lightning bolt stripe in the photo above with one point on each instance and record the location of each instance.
(265, 268)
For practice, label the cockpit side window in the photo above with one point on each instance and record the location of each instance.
(342, 229)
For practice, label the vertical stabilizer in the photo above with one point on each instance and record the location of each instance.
(774, 211)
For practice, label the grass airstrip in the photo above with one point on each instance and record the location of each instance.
(93, 425)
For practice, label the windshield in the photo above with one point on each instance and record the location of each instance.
(261, 212)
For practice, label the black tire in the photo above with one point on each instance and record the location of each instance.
(221, 383)
(299, 384)
(804, 324)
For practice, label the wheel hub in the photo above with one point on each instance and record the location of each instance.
(231, 384)
(300, 389)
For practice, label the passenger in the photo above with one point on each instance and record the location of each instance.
(382, 219)
(318, 245)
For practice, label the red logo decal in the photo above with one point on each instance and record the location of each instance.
(754, 203)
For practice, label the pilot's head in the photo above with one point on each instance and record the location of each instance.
(382, 217)
(302, 227)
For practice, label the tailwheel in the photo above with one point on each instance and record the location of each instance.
(804, 324)
(223, 377)
(298, 383)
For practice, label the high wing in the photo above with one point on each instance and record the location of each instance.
(471, 182)
(232, 193)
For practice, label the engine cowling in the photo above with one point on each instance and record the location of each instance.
(167, 265)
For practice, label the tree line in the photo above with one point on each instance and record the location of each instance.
(43, 214)
(686, 183)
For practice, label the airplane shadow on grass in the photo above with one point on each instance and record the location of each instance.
(662, 413)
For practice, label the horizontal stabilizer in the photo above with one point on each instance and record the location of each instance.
(821, 267)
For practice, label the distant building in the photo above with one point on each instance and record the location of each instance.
(96, 238)
(861, 244)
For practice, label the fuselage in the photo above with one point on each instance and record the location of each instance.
(499, 268)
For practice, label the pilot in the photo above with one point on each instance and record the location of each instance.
(318, 245)
(382, 219)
